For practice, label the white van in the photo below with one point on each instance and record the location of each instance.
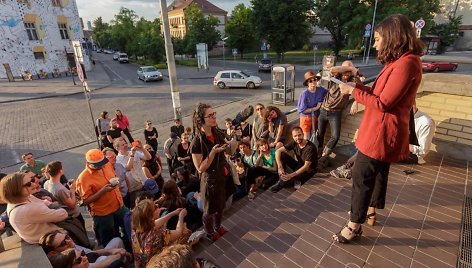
(123, 57)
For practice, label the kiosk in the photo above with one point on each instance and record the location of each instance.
(283, 84)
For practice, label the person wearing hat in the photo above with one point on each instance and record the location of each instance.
(151, 186)
(331, 108)
(309, 103)
(98, 190)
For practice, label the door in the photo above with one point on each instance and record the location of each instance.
(237, 80)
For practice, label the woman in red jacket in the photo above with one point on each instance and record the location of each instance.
(384, 131)
(123, 123)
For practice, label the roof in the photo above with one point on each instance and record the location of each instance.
(204, 5)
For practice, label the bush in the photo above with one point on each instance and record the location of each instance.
(191, 63)
(160, 66)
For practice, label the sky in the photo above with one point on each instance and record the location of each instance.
(89, 10)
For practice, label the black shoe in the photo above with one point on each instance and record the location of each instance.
(276, 188)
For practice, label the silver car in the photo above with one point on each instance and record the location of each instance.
(236, 78)
(149, 73)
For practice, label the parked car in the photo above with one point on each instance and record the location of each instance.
(123, 57)
(116, 56)
(236, 78)
(439, 66)
(265, 65)
(149, 73)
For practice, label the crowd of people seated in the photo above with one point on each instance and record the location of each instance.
(140, 212)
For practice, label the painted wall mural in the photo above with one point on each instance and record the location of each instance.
(19, 51)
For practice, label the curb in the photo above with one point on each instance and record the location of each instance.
(54, 95)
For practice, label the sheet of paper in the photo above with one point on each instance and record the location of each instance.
(337, 81)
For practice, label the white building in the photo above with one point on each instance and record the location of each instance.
(35, 35)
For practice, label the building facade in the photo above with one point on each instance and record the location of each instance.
(456, 8)
(177, 21)
(35, 36)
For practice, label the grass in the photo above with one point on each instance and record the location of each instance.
(163, 65)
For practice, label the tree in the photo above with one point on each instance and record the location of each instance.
(101, 32)
(283, 24)
(123, 27)
(200, 29)
(239, 29)
(346, 19)
(448, 32)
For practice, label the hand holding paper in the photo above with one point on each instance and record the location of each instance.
(346, 88)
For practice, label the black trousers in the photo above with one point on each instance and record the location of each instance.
(369, 186)
(293, 164)
(128, 134)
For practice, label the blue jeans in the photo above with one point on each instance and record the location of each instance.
(334, 119)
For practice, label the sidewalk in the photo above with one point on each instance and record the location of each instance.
(52, 87)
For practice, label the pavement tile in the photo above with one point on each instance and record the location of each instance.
(260, 260)
(431, 261)
(286, 262)
(246, 264)
(376, 260)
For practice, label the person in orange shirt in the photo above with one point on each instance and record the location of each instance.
(98, 187)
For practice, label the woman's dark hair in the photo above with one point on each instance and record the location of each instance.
(118, 116)
(103, 114)
(398, 38)
(171, 198)
(184, 171)
(53, 168)
(198, 117)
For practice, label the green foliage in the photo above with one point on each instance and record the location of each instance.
(127, 33)
(191, 63)
(180, 45)
(346, 19)
(239, 29)
(201, 29)
(161, 66)
(448, 32)
(284, 24)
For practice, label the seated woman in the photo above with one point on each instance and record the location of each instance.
(186, 182)
(149, 234)
(55, 242)
(171, 199)
(183, 153)
(152, 168)
(30, 217)
(266, 160)
(64, 196)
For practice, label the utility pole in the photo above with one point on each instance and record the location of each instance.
(224, 59)
(371, 33)
(170, 62)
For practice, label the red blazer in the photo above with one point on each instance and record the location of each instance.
(384, 130)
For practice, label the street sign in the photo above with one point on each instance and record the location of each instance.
(367, 33)
(80, 72)
(235, 51)
(315, 47)
(419, 24)
(368, 27)
(264, 46)
(418, 33)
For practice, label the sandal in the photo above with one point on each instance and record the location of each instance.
(354, 234)
(371, 218)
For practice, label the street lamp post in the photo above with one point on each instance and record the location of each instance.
(224, 60)
(371, 33)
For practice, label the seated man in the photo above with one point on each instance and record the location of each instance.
(424, 129)
(303, 166)
(55, 242)
(32, 164)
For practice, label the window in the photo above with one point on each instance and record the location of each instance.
(224, 75)
(31, 31)
(38, 55)
(56, 3)
(63, 31)
(236, 76)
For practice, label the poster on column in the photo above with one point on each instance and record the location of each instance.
(202, 56)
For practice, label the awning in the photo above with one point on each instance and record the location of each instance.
(62, 19)
(30, 18)
(38, 49)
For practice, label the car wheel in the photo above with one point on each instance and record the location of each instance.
(250, 85)
(221, 85)
(454, 67)
(436, 70)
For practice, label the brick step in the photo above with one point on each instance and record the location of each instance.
(263, 231)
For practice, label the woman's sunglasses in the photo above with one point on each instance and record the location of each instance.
(28, 184)
(79, 259)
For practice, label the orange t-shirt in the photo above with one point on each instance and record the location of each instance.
(91, 181)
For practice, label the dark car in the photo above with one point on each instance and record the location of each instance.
(439, 66)
(265, 65)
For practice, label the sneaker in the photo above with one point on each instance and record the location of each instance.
(276, 188)
(297, 184)
(341, 173)
(213, 237)
(251, 195)
(195, 237)
(221, 230)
